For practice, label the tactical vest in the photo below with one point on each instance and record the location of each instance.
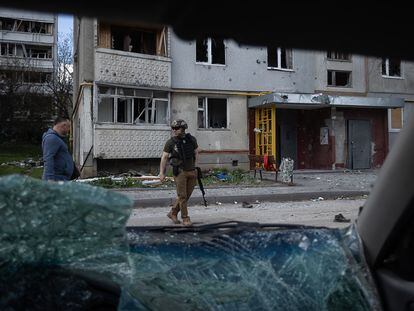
(183, 150)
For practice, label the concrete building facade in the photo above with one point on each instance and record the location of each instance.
(131, 80)
(28, 58)
(28, 40)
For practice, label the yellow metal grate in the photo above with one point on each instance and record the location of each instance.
(265, 138)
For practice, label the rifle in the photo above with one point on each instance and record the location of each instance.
(200, 184)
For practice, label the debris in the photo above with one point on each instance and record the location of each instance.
(218, 203)
(286, 170)
(235, 202)
(151, 182)
(247, 205)
(318, 199)
(340, 218)
(222, 176)
(318, 178)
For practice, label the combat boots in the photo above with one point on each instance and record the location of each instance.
(173, 216)
(187, 221)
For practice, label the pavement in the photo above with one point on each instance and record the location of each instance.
(308, 185)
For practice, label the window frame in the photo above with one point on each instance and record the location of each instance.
(150, 103)
(338, 59)
(210, 54)
(206, 115)
(389, 114)
(334, 79)
(387, 69)
(279, 59)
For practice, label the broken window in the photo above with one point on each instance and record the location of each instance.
(142, 110)
(212, 112)
(279, 58)
(7, 49)
(26, 76)
(11, 24)
(132, 39)
(335, 55)
(132, 106)
(391, 67)
(124, 110)
(38, 51)
(339, 78)
(22, 50)
(210, 51)
(106, 110)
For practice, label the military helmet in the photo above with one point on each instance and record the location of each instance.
(179, 123)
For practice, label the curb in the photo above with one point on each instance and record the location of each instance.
(283, 197)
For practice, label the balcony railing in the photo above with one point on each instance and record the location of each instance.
(127, 68)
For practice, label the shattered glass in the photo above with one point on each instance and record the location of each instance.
(64, 247)
(251, 269)
(58, 240)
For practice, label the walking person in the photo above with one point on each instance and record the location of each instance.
(58, 162)
(182, 152)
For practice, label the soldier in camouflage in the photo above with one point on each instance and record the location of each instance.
(181, 150)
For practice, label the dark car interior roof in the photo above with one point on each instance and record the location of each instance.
(377, 29)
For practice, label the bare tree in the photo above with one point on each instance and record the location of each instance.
(61, 84)
(23, 106)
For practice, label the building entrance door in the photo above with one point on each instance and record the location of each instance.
(359, 144)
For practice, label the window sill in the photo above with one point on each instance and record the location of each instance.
(214, 129)
(151, 127)
(392, 77)
(280, 69)
(208, 64)
(339, 60)
(26, 32)
(340, 86)
(394, 130)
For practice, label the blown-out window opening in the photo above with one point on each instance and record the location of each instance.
(132, 106)
(212, 113)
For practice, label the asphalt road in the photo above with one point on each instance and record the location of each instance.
(312, 212)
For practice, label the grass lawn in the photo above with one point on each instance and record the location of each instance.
(16, 152)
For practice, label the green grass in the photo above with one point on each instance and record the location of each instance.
(16, 152)
(236, 177)
(35, 172)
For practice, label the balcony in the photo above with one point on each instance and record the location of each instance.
(26, 37)
(29, 63)
(127, 68)
(129, 142)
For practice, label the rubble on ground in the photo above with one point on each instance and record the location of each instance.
(25, 163)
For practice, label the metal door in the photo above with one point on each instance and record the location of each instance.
(359, 144)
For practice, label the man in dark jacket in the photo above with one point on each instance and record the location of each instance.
(58, 162)
(182, 151)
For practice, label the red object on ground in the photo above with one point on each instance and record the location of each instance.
(266, 162)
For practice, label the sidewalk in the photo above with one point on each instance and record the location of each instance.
(309, 185)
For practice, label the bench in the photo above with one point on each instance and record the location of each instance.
(263, 163)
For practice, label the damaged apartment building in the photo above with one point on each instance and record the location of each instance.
(28, 50)
(325, 110)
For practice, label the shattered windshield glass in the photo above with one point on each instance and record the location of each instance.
(256, 269)
(64, 246)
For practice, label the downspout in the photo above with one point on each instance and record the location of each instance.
(81, 87)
